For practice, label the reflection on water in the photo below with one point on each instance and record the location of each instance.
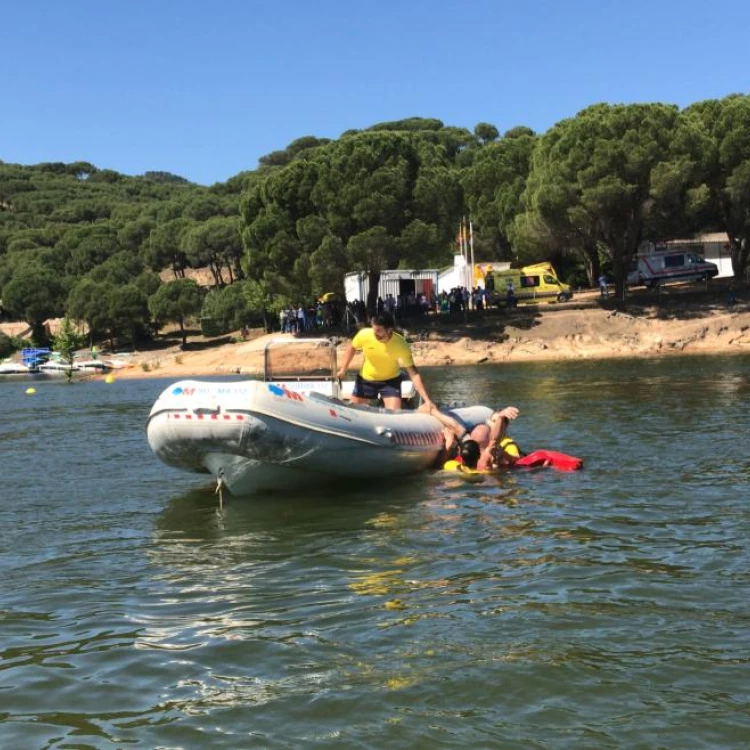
(596, 609)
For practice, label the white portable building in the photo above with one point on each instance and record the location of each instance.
(395, 281)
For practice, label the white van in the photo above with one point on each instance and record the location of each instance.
(663, 266)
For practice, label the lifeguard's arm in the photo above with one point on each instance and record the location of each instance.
(498, 425)
(346, 361)
(416, 378)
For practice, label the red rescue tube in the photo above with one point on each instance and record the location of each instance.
(559, 461)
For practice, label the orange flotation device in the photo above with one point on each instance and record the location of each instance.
(553, 459)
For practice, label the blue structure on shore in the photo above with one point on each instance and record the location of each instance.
(32, 358)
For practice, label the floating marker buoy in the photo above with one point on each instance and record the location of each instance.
(30, 391)
(109, 379)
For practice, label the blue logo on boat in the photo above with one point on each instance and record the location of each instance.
(177, 391)
(276, 390)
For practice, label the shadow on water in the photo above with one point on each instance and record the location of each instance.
(337, 506)
(332, 526)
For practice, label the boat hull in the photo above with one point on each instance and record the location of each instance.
(256, 436)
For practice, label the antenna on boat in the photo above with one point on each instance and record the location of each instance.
(220, 488)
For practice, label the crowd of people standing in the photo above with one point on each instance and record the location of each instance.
(336, 313)
(328, 314)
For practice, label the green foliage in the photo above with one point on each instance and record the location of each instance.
(715, 141)
(493, 187)
(215, 243)
(8, 345)
(372, 250)
(165, 177)
(228, 309)
(148, 282)
(68, 340)
(410, 124)
(385, 197)
(486, 132)
(325, 266)
(419, 246)
(297, 148)
(128, 311)
(88, 302)
(175, 302)
(391, 195)
(34, 294)
(164, 247)
(117, 269)
(134, 234)
(591, 178)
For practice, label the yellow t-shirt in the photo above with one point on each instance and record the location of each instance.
(382, 357)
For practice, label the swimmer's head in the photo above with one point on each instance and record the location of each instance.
(470, 453)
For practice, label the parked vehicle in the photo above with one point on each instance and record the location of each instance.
(664, 266)
(532, 284)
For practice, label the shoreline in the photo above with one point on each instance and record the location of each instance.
(562, 334)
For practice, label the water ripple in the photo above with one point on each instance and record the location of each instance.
(601, 609)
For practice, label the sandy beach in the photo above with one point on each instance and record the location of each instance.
(585, 329)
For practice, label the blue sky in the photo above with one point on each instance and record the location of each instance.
(203, 89)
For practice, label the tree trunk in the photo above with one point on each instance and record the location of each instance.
(372, 293)
(216, 273)
(738, 248)
(593, 266)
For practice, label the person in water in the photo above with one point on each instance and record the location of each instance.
(488, 437)
(501, 450)
(385, 352)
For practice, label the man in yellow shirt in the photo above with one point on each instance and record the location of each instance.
(385, 352)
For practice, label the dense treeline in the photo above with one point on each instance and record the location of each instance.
(90, 243)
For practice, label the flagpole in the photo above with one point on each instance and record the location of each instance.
(473, 272)
(464, 247)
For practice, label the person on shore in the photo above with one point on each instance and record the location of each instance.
(731, 296)
(488, 436)
(385, 352)
(603, 287)
(510, 293)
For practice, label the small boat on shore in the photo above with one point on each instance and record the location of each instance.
(59, 367)
(95, 366)
(42, 362)
(277, 433)
(56, 367)
(16, 370)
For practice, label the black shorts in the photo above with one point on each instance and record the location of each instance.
(371, 389)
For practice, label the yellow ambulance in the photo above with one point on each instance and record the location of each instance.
(529, 285)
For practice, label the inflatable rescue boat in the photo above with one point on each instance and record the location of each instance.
(258, 435)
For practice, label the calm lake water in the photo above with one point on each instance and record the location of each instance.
(601, 609)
